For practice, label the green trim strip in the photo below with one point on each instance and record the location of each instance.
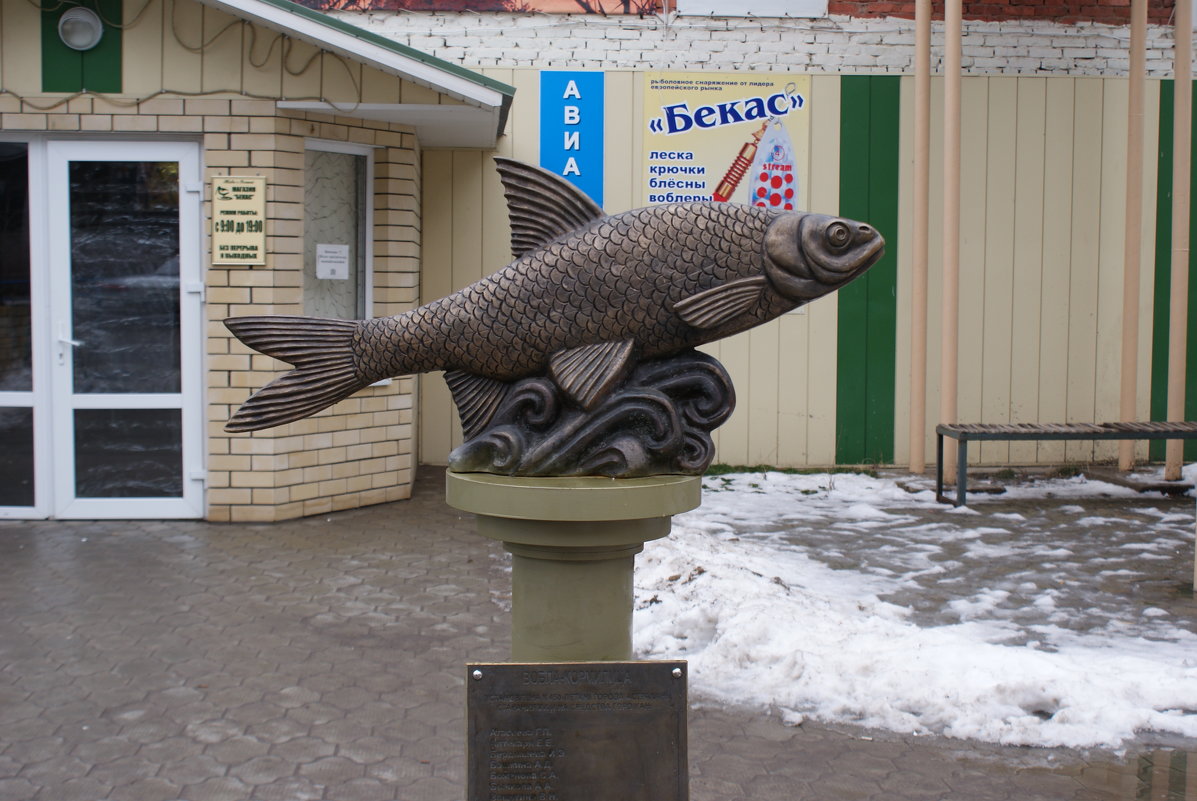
(1161, 300)
(851, 408)
(1163, 247)
(95, 70)
(868, 310)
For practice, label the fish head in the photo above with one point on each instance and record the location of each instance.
(810, 255)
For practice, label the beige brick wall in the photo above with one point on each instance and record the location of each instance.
(359, 451)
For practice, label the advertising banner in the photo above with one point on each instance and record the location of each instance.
(571, 128)
(740, 137)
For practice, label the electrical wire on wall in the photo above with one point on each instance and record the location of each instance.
(286, 45)
(99, 12)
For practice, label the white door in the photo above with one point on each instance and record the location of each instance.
(122, 333)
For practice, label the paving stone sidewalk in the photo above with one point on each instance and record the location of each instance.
(324, 659)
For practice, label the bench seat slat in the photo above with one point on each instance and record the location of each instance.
(1048, 431)
(963, 432)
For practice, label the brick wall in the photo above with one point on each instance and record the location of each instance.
(836, 44)
(1110, 12)
(358, 452)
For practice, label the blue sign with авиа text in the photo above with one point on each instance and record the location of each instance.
(571, 129)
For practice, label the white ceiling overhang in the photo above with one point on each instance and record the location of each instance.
(486, 102)
(435, 125)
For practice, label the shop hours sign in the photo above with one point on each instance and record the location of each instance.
(239, 219)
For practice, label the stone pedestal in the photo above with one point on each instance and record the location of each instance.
(573, 543)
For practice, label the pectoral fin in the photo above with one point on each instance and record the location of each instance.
(477, 398)
(589, 372)
(714, 307)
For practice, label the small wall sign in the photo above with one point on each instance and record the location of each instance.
(332, 262)
(239, 219)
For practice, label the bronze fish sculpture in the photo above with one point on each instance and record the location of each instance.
(587, 297)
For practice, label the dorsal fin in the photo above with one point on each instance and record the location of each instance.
(589, 372)
(477, 398)
(714, 307)
(542, 205)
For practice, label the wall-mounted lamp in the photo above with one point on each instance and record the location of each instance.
(80, 28)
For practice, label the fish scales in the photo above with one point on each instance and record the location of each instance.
(574, 292)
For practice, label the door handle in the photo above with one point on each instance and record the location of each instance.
(65, 340)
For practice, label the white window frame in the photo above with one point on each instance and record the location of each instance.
(367, 246)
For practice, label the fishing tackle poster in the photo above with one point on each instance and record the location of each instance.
(736, 136)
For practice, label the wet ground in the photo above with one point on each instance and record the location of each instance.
(324, 659)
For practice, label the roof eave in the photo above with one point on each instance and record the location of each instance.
(376, 51)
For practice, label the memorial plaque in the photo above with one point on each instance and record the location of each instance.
(577, 731)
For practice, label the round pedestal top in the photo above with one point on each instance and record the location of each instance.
(589, 498)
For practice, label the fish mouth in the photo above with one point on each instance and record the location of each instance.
(810, 255)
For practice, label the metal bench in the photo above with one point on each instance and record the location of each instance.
(963, 433)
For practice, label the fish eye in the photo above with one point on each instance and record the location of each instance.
(838, 234)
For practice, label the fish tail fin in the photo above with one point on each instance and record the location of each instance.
(320, 350)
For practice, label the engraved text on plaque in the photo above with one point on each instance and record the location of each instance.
(577, 731)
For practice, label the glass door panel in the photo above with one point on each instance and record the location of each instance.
(16, 457)
(123, 247)
(124, 224)
(128, 452)
(17, 480)
(16, 328)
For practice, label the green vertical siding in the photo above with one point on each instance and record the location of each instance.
(95, 70)
(869, 133)
(1163, 283)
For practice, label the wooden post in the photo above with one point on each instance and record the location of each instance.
(949, 344)
(918, 282)
(1179, 301)
(1134, 228)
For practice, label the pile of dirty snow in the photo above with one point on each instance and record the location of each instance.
(848, 598)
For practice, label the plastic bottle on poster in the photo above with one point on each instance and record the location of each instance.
(774, 174)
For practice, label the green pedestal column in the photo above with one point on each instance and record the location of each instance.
(573, 543)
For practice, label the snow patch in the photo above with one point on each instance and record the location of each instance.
(846, 598)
